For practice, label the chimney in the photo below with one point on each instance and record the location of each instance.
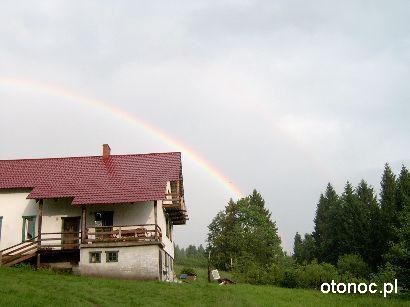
(106, 151)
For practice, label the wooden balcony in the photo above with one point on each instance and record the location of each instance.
(124, 233)
(142, 233)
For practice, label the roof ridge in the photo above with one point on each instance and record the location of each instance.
(95, 156)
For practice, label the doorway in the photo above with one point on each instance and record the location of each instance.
(103, 220)
(70, 236)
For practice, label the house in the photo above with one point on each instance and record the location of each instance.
(108, 215)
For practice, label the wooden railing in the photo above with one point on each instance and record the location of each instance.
(19, 252)
(60, 240)
(123, 233)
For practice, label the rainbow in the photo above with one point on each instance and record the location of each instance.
(60, 91)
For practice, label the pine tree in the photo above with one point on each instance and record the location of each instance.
(399, 253)
(326, 214)
(389, 212)
(370, 249)
(297, 248)
(309, 248)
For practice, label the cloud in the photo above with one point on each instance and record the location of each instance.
(282, 96)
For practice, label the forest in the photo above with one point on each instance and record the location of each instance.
(358, 236)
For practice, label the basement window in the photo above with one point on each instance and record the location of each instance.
(95, 257)
(111, 256)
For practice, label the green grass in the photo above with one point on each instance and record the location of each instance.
(24, 287)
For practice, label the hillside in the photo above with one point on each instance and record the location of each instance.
(25, 287)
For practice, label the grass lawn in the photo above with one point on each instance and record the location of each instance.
(21, 286)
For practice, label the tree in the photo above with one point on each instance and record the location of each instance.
(399, 253)
(304, 250)
(298, 248)
(370, 222)
(245, 233)
(326, 214)
(309, 248)
(388, 206)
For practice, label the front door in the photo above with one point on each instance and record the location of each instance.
(71, 227)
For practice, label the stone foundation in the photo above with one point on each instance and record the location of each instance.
(134, 262)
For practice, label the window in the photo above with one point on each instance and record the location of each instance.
(111, 256)
(29, 228)
(95, 257)
(1, 220)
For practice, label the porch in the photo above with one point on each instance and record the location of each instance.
(111, 234)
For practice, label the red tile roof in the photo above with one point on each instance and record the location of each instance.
(94, 180)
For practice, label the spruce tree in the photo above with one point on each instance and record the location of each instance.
(370, 250)
(326, 215)
(388, 206)
(399, 253)
(297, 248)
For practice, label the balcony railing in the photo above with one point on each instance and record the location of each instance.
(100, 234)
(123, 233)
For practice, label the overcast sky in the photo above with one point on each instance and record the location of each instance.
(281, 96)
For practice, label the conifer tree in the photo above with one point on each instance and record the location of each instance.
(297, 248)
(399, 253)
(323, 234)
(388, 207)
(370, 250)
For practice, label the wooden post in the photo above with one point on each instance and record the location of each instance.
(39, 229)
(83, 224)
(156, 219)
(40, 219)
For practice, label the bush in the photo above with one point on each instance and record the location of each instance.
(352, 267)
(253, 274)
(385, 274)
(314, 274)
(290, 278)
(188, 271)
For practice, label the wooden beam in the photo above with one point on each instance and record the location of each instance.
(40, 226)
(83, 224)
(40, 219)
(155, 212)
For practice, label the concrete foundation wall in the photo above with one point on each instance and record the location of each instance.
(134, 262)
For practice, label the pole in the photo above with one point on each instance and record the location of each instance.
(39, 230)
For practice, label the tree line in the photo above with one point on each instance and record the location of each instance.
(191, 256)
(357, 222)
(357, 236)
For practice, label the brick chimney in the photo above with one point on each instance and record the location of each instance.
(106, 151)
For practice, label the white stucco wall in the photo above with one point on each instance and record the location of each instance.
(54, 211)
(124, 214)
(134, 262)
(169, 245)
(13, 206)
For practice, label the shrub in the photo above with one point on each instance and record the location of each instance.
(385, 274)
(253, 274)
(188, 271)
(314, 274)
(352, 266)
(290, 278)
